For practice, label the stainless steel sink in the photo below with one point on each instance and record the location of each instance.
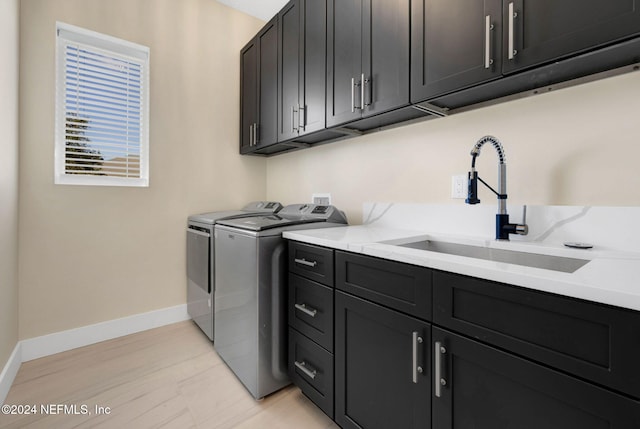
(535, 260)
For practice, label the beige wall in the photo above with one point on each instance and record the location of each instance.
(8, 178)
(576, 146)
(89, 254)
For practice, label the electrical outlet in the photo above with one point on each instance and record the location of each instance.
(459, 186)
(322, 199)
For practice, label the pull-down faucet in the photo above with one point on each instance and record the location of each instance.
(503, 227)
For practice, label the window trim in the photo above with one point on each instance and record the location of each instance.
(69, 33)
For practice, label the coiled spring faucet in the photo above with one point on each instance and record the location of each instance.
(503, 227)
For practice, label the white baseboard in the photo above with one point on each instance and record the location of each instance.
(9, 372)
(46, 345)
(34, 348)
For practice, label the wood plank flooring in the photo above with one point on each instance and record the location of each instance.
(169, 377)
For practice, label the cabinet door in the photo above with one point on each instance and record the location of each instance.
(313, 66)
(455, 44)
(385, 55)
(248, 94)
(344, 63)
(591, 341)
(377, 355)
(485, 388)
(289, 59)
(547, 30)
(268, 84)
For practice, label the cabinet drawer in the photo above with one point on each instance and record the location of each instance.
(311, 310)
(403, 287)
(593, 341)
(311, 369)
(312, 262)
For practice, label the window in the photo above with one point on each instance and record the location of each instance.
(102, 109)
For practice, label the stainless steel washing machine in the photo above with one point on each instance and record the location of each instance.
(201, 259)
(251, 288)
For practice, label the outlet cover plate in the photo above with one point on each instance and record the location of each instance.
(459, 186)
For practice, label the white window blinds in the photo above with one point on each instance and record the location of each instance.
(101, 110)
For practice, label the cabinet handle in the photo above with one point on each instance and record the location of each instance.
(367, 83)
(306, 310)
(302, 366)
(362, 91)
(415, 368)
(512, 16)
(437, 377)
(305, 262)
(302, 120)
(488, 27)
(353, 100)
(250, 135)
(293, 119)
(255, 134)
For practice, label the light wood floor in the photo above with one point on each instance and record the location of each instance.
(169, 377)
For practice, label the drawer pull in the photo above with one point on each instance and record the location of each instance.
(415, 368)
(306, 310)
(302, 366)
(305, 262)
(438, 379)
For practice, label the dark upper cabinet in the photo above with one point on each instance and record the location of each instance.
(382, 362)
(367, 58)
(301, 68)
(455, 44)
(539, 31)
(248, 95)
(480, 387)
(258, 89)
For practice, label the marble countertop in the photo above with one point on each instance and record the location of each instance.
(610, 276)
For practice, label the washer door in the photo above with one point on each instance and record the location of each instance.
(199, 289)
(198, 258)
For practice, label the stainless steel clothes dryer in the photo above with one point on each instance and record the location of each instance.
(201, 259)
(251, 288)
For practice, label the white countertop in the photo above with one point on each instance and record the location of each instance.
(611, 277)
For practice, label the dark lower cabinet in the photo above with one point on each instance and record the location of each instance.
(489, 355)
(382, 367)
(481, 387)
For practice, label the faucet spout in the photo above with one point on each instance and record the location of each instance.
(503, 227)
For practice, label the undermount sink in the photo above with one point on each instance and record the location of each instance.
(535, 260)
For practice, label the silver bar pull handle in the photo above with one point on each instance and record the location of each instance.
(255, 134)
(362, 91)
(353, 97)
(368, 84)
(488, 27)
(512, 16)
(305, 262)
(302, 120)
(437, 376)
(302, 366)
(293, 119)
(415, 367)
(306, 310)
(250, 135)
